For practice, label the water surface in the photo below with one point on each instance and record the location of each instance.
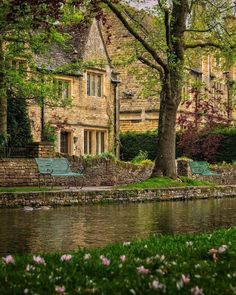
(66, 228)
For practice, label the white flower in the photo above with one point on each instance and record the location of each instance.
(222, 248)
(87, 256)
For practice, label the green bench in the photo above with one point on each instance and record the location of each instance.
(56, 167)
(202, 168)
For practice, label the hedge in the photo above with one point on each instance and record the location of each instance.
(227, 149)
(133, 142)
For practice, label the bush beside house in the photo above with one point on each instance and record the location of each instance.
(217, 145)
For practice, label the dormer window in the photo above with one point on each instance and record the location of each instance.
(94, 85)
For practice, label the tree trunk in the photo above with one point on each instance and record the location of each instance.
(3, 95)
(166, 144)
(171, 90)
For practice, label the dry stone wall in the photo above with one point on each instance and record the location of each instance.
(99, 172)
(69, 198)
(225, 176)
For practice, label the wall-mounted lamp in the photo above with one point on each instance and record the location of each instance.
(128, 93)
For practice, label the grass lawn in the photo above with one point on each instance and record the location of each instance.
(160, 182)
(177, 264)
(24, 189)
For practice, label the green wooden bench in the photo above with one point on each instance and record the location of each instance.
(202, 168)
(44, 168)
(56, 167)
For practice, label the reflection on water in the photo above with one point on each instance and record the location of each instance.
(66, 228)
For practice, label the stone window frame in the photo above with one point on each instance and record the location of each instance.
(64, 80)
(70, 144)
(95, 141)
(93, 80)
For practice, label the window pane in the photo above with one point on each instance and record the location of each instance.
(99, 82)
(64, 142)
(88, 84)
(93, 85)
(90, 142)
(59, 88)
(65, 90)
(85, 142)
(97, 142)
(102, 142)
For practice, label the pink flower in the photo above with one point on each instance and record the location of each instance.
(38, 260)
(105, 261)
(196, 291)
(66, 257)
(213, 251)
(122, 258)
(60, 289)
(141, 269)
(185, 279)
(8, 259)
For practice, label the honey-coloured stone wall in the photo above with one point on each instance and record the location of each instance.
(139, 113)
(99, 172)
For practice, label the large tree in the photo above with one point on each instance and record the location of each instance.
(169, 35)
(26, 28)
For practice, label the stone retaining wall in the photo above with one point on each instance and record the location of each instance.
(226, 175)
(99, 172)
(69, 198)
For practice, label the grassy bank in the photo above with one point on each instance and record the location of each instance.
(183, 264)
(160, 182)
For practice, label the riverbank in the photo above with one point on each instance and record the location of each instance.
(181, 264)
(95, 195)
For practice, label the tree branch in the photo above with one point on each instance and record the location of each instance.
(151, 65)
(144, 30)
(137, 36)
(167, 27)
(198, 31)
(202, 45)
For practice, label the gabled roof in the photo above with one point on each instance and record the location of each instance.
(59, 58)
(53, 59)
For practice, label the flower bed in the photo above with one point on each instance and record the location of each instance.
(181, 264)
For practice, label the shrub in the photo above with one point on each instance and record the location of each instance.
(142, 155)
(134, 142)
(18, 123)
(215, 145)
(49, 133)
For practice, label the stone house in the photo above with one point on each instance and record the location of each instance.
(139, 113)
(89, 124)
